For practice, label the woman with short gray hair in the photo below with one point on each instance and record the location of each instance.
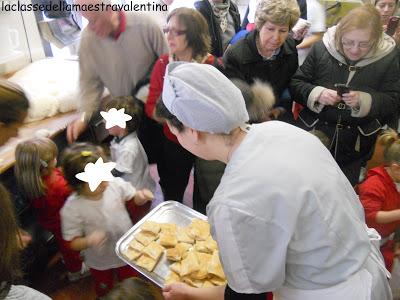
(278, 12)
(267, 53)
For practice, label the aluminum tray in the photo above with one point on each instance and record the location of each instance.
(166, 212)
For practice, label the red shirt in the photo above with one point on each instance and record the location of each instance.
(379, 193)
(48, 207)
(156, 87)
(122, 25)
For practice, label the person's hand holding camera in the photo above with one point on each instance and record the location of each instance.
(352, 99)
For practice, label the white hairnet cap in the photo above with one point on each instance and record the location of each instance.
(202, 98)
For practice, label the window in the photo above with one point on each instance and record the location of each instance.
(20, 40)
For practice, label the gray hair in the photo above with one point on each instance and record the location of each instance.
(280, 12)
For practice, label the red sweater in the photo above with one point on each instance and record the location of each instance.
(48, 207)
(156, 87)
(379, 193)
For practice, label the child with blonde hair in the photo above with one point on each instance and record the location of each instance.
(380, 194)
(46, 188)
(93, 221)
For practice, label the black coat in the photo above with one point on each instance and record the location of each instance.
(204, 7)
(381, 79)
(243, 61)
(352, 138)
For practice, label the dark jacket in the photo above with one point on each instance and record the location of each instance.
(204, 7)
(303, 8)
(377, 78)
(243, 61)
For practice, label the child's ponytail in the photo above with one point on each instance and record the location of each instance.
(391, 143)
(31, 158)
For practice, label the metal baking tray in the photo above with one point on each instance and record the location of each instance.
(166, 212)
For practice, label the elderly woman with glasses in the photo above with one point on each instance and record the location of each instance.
(188, 40)
(267, 53)
(349, 86)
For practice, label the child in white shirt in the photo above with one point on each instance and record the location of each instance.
(93, 221)
(126, 149)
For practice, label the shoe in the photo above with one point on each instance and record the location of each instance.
(75, 276)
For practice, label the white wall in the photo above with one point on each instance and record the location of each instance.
(19, 39)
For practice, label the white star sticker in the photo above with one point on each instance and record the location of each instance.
(115, 117)
(96, 173)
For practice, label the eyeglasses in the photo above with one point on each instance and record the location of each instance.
(386, 5)
(173, 32)
(350, 44)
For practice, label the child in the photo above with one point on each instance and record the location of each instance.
(94, 221)
(44, 185)
(10, 247)
(127, 151)
(380, 196)
(13, 110)
(134, 289)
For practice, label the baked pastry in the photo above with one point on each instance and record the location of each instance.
(170, 228)
(192, 250)
(173, 254)
(172, 277)
(145, 238)
(151, 227)
(200, 246)
(210, 244)
(204, 261)
(217, 281)
(146, 262)
(190, 264)
(192, 282)
(167, 239)
(207, 283)
(182, 248)
(135, 245)
(183, 236)
(154, 250)
(199, 230)
(176, 267)
(131, 254)
(215, 266)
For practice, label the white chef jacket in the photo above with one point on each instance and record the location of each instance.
(284, 214)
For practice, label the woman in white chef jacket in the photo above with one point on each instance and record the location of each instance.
(285, 217)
